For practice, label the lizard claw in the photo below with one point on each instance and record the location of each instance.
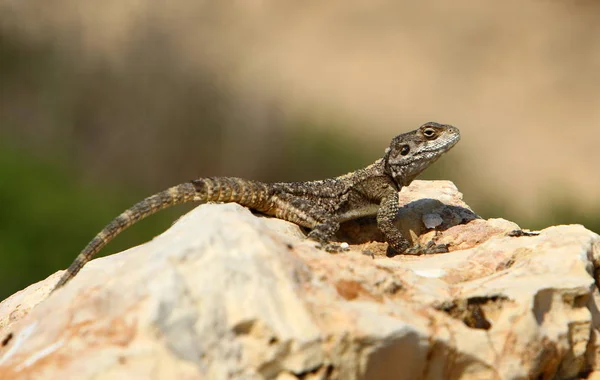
(368, 253)
(519, 233)
(333, 247)
(428, 249)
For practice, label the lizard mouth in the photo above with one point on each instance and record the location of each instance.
(453, 140)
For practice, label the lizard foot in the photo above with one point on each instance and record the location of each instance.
(519, 233)
(333, 247)
(429, 248)
(368, 253)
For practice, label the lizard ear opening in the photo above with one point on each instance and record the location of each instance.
(398, 153)
(404, 150)
(395, 160)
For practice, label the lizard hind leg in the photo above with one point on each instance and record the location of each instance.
(322, 234)
(296, 210)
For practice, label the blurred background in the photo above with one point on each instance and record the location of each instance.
(104, 103)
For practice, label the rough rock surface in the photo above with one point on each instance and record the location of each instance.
(224, 294)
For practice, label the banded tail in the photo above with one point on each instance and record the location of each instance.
(254, 195)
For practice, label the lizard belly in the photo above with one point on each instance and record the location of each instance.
(366, 210)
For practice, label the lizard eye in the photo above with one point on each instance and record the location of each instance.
(429, 133)
(404, 150)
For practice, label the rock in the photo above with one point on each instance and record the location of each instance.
(224, 294)
(426, 202)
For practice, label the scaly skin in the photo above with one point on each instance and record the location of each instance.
(318, 205)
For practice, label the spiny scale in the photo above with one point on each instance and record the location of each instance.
(317, 205)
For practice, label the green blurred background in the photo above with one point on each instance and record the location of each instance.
(102, 104)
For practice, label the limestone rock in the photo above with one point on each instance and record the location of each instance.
(224, 294)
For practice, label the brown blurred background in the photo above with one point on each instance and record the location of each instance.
(104, 103)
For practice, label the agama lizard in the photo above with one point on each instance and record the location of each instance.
(317, 205)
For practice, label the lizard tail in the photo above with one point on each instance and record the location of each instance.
(175, 195)
(251, 194)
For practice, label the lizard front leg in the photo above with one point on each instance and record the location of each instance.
(386, 215)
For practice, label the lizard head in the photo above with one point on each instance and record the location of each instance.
(412, 152)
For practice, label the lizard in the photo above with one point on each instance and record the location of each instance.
(319, 205)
